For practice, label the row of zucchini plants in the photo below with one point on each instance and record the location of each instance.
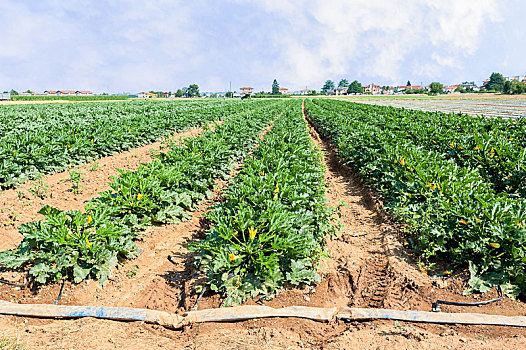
(81, 244)
(494, 145)
(270, 230)
(452, 209)
(42, 139)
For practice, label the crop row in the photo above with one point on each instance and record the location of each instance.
(452, 209)
(495, 146)
(81, 244)
(43, 139)
(270, 230)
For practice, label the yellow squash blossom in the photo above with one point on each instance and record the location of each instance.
(252, 233)
(495, 245)
(232, 257)
(462, 221)
(89, 220)
(402, 161)
(139, 196)
(88, 244)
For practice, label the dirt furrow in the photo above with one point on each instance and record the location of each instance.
(21, 205)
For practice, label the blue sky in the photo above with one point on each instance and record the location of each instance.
(128, 45)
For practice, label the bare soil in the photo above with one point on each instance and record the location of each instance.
(367, 266)
(20, 205)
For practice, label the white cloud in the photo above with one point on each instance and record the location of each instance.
(376, 38)
(165, 44)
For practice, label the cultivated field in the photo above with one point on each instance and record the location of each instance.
(488, 105)
(192, 205)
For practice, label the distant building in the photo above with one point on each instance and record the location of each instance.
(283, 91)
(450, 89)
(372, 89)
(390, 90)
(412, 87)
(83, 93)
(60, 92)
(65, 92)
(342, 90)
(246, 90)
(305, 91)
(145, 95)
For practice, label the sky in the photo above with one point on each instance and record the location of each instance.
(131, 46)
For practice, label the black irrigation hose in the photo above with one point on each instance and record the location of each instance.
(13, 284)
(199, 299)
(436, 305)
(60, 293)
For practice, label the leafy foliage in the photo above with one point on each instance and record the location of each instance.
(78, 245)
(458, 181)
(270, 230)
(42, 139)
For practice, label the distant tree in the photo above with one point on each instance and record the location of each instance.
(312, 92)
(13, 92)
(436, 88)
(329, 85)
(29, 92)
(191, 91)
(496, 82)
(179, 93)
(343, 83)
(229, 94)
(355, 88)
(408, 83)
(275, 87)
(514, 87)
(460, 89)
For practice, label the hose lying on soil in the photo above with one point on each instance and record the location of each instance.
(239, 313)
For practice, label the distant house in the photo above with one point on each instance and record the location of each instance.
(472, 85)
(524, 79)
(145, 95)
(168, 95)
(65, 92)
(246, 90)
(83, 93)
(342, 90)
(50, 92)
(283, 91)
(412, 87)
(450, 89)
(390, 90)
(305, 91)
(372, 89)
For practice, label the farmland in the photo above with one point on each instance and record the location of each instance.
(42, 139)
(491, 106)
(315, 202)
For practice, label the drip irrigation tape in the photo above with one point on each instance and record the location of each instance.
(247, 312)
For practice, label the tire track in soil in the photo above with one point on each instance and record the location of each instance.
(360, 268)
(19, 205)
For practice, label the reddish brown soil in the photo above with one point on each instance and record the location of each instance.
(20, 205)
(367, 266)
